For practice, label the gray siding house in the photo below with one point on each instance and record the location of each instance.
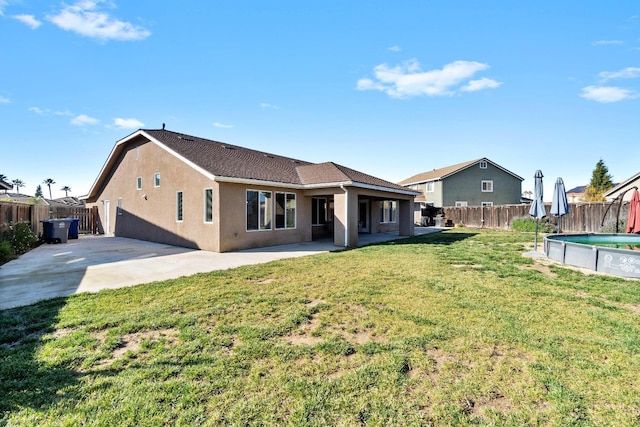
(479, 182)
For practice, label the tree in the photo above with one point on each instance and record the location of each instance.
(66, 190)
(601, 181)
(18, 183)
(39, 191)
(49, 182)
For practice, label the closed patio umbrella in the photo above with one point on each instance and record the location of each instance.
(559, 205)
(633, 223)
(537, 206)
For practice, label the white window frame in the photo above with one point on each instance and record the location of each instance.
(388, 212)
(486, 204)
(139, 183)
(156, 180)
(429, 187)
(136, 152)
(483, 164)
(179, 206)
(119, 206)
(489, 183)
(286, 212)
(265, 215)
(461, 203)
(205, 202)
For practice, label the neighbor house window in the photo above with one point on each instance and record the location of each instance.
(487, 186)
(259, 208)
(139, 183)
(318, 211)
(119, 208)
(156, 180)
(285, 210)
(483, 204)
(208, 205)
(136, 151)
(483, 164)
(179, 206)
(430, 187)
(460, 203)
(388, 211)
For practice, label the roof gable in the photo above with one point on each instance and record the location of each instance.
(442, 173)
(221, 161)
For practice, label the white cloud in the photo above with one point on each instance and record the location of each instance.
(28, 20)
(625, 73)
(38, 110)
(265, 105)
(4, 100)
(607, 42)
(85, 18)
(220, 125)
(408, 79)
(607, 94)
(63, 113)
(395, 49)
(128, 123)
(83, 120)
(483, 83)
(3, 3)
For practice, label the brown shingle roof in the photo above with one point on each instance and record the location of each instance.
(441, 173)
(231, 161)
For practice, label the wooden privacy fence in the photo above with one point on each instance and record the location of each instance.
(582, 217)
(13, 213)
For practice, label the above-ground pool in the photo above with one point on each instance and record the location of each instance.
(617, 254)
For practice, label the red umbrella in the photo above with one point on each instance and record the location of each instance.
(633, 223)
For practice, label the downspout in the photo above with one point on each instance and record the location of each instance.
(346, 215)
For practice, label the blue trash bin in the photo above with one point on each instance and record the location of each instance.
(73, 228)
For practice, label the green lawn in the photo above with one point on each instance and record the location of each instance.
(452, 328)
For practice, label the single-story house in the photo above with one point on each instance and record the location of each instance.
(5, 186)
(479, 182)
(179, 189)
(624, 187)
(576, 194)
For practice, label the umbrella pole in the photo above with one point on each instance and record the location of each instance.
(535, 239)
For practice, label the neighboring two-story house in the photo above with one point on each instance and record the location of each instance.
(479, 182)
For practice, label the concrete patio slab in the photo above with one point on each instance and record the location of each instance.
(93, 263)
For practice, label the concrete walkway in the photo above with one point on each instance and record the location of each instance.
(93, 263)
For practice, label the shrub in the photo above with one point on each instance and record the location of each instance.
(20, 238)
(6, 252)
(529, 224)
(610, 226)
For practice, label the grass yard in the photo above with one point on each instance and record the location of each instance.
(451, 328)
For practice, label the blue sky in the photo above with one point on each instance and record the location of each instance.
(388, 88)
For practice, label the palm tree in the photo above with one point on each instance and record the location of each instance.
(18, 183)
(66, 190)
(49, 182)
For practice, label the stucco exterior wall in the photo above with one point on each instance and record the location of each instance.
(466, 186)
(149, 213)
(233, 219)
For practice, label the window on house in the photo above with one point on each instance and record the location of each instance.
(208, 205)
(487, 186)
(483, 164)
(156, 180)
(483, 204)
(285, 210)
(259, 208)
(119, 208)
(136, 151)
(318, 211)
(139, 183)
(388, 211)
(460, 203)
(179, 206)
(430, 187)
